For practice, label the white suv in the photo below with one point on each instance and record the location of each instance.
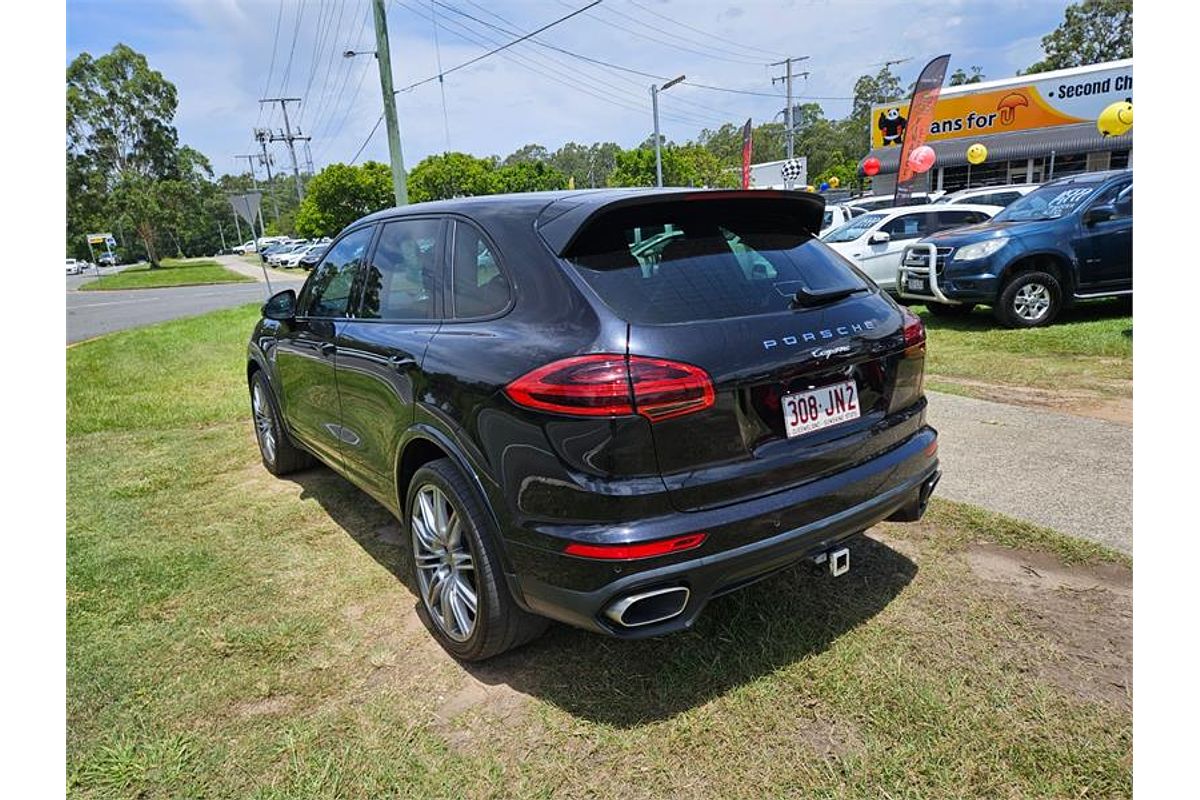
(989, 195)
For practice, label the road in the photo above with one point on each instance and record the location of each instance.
(91, 314)
(1070, 473)
(1066, 472)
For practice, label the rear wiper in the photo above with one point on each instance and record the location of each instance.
(808, 299)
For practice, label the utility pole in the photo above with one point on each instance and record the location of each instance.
(654, 90)
(788, 111)
(289, 137)
(263, 136)
(250, 160)
(383, 56)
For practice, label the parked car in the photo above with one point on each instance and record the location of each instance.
(247, 247)
(1071, 239)
(875, 241)
(108, 259)
(292, 259)
(570, 431)
(882, 201)
(837, 214)
(74, 267)
(989, 195)
(274, 247)
(275, 258)
(313, 256)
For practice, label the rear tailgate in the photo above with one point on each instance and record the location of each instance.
(783, 327)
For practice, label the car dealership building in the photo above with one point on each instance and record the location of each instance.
(1035, 127)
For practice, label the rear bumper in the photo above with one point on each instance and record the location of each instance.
(789, 526)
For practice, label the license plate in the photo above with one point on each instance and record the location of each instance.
(916, 285)
(805, 412)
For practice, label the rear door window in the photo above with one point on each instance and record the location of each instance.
(910, 226)
(956, 219)
(705, 260)
(402, 279)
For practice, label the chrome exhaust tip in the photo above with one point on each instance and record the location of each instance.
(647, 608)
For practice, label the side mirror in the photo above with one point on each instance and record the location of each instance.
(1098, 214)
(880, 237)
(281, 306)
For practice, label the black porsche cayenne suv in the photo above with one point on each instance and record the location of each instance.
(600, 407)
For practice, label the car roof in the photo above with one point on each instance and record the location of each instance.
(560, 215)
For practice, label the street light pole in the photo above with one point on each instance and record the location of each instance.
(654, 90)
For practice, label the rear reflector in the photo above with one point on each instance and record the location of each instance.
(629, 552)
(607, 385)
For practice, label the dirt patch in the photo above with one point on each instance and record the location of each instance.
(265, 706)
(1084, 613)
(474, 710)
(1083, 403)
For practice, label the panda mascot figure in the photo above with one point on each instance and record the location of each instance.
(892, 125)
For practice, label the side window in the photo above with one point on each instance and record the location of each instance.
(327, 291)
(402, 279)
(1124, 202)
(480, 288)
(956, 219)
(909, 226)
(1108, 195)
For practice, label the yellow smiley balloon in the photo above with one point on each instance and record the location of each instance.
(834, 182)
(1116, 119)
(977, 153)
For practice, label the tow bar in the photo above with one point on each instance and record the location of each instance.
(839, 561)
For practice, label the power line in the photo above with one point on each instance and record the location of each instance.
(580, 83)
(668, 43)
(320, 39)
(477, 59)
(599, 62)
(437, 49)
(367, 141)
(271, 69)
(287, 70)
(335, 51)
(704, 33)
(693, 28)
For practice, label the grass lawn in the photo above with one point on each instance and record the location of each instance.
(172, 272)
(1089, 351)
(234, 635)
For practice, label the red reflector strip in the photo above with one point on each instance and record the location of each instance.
(931, 450)
(628, 552)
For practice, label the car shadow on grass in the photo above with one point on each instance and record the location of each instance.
(981, 319)
(794, 614)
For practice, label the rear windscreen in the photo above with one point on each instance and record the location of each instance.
(689, 261)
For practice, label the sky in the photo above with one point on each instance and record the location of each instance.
(225, 55)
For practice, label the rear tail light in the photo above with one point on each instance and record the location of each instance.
(914, 332)
(629, 552)
(606, 385)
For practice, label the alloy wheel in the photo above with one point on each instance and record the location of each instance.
(445, 565)
(264, 423)
(1031, 302)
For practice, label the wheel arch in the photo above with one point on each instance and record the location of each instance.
(1055, 263)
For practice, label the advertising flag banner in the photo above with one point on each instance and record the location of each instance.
(747, 148)
(920, 117)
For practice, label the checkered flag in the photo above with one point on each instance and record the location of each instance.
(792, 169)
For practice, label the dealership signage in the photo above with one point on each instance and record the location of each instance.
(1063, 97)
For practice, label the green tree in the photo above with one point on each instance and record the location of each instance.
(960, 77)
(683, 165)
(1092, 31)
(529, 176)
(440, 177)
(342, 193)
(530, 153)
(119, 114)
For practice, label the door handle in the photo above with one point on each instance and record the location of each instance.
(400, 362)
(327, 348)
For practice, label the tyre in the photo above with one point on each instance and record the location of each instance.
(464, 601)
(278, 453)
(1028, 300)
(948, 310)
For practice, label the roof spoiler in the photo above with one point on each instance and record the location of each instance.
(561, 223)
